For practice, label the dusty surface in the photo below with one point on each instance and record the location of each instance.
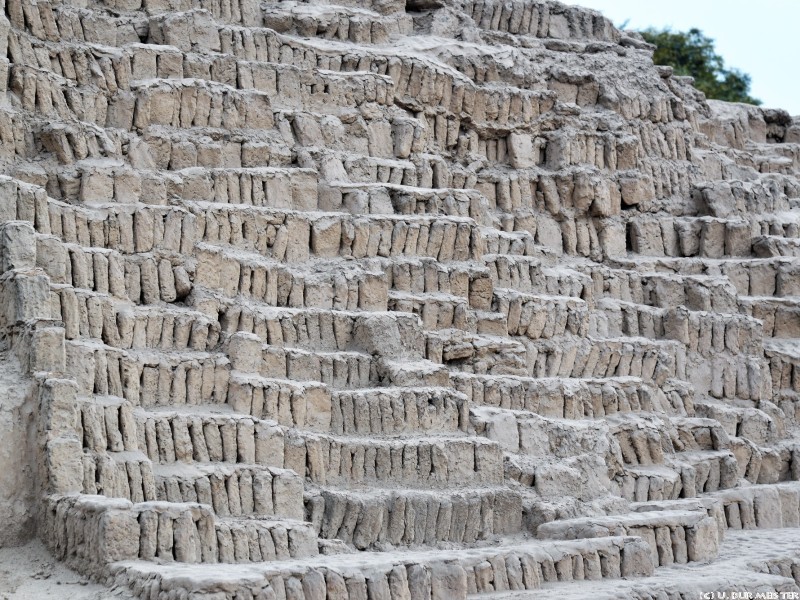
(31, 573)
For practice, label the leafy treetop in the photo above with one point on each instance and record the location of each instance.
(692, 53)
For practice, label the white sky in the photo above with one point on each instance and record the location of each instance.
(761, 38)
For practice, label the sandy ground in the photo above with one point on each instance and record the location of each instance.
(30, 573)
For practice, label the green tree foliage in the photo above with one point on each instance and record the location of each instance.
(692, 53)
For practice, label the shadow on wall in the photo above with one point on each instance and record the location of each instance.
(17, 454)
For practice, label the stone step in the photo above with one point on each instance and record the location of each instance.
(372, 6)
(89, 545)
(259, 186)
(664, 290)
(538, 316)
(408, 372)
(778, 316)
(744, 421)
(561, 356)
(26, 81)
(17, 143)
(789, 403)
(257, 540)
(566, 281)
(208, 434)
(406, 70)
(73, 142)
(711, 506)
(74, 60)
(265, 61)
(198, 435)
(769, 161)
(771, 575)
(408, 199)
(138, 105)
(162, 157)
(142, 279)
(571, 398)
(415, 170)
(235, 11)
(528, 274)
(170, 532)
(232, 490)
(440, 574)
(602, 150)
(173, 327)
(152, 377)
(705, 333)
(529, 434)
(649, 483)
(335, 234)
(779, 462)
(318, 330)
(646, 438)
(568, 22)
(315, 284)
(434, 462)
(339, 23)
(442, 311)
(476, 353)
(380, 411)
(522, 196)
(263, 371)
(172, 58)
(356, 178)
(565, 486)
(761, 506)
(759, 196)
(674, 536)
(126, 474)
(681, 475)
(765, 246)
(732, 377)
(706, 471)
(168, 157)
(132, 60)
(589, 357)
(198, 103)
(436, 310)
(712, 237)
(753, 277)
(335, 370)
(313, 234)
(426, 275)
(127, 230)
(779, 224)
(107, 424)
(289, 403)
(783, 356)
(513, 243)
(369, 519)
(29, 202)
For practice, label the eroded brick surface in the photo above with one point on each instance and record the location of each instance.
(392, 300)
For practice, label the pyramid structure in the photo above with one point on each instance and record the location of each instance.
(382, 300)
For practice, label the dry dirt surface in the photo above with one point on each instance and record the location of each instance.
(30, 573)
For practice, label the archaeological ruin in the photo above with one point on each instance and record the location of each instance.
(391, 300)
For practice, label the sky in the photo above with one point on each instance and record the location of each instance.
(761, 38)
